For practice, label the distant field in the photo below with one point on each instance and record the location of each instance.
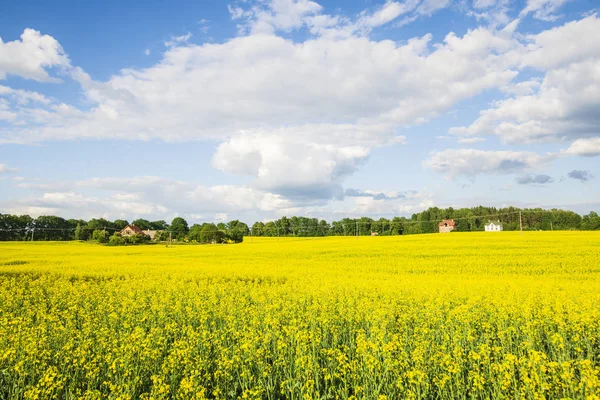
(460, 315)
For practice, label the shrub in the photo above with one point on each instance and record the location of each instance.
(101, 236)
(138, 239)
(116, 240)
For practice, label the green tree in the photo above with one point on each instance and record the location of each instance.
(101, 236)
(258, 229)
(142, 223)
(194, 233)
(159, 225)
(119, 224)
(81, 233)
(100, 223)
(50, 227)
(237, 228)
(179, 227)
(211, 234)
(116, 240)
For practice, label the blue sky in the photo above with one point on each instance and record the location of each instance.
(216, 110)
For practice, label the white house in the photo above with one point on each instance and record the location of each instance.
(493, 226)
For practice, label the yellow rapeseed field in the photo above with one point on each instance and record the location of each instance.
(462, 315)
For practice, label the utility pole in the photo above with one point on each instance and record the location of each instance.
(33, 230)
(170, 237)
(250, 235)
(551, 227)
(521, 222)
(356, 230)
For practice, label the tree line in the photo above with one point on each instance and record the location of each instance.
(466, 219)
(24, 227)
(51, 227)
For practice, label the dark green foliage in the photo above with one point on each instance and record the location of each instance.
(179, 228)
(119, 224)
(116, 240)
(590, 222)
(142, 223)
(211, 234)
(101, 236)
(161, 236)
(137, 239)
(160, 225)
(81, 233)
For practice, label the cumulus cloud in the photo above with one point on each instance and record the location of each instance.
(584, 147)
(543, 9)
(147, 196)
(471, 162)
(579, 175)
(534, 179)
(301, 116)
(214, 91)
(153, 197)
(31, 56)
(565, 104)
(347, 96)
(302, 162)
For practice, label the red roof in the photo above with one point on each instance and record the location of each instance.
(133, 228)
(448, 222)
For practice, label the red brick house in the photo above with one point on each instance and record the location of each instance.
(447, 225)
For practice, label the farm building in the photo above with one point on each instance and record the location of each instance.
(447, 226)
(130, 230)
(493, 226)
(150, 233)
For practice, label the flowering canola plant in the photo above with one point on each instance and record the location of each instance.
(464, 315)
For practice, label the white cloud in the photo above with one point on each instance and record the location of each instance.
(470, 140)
(327, 100)
(178, 40)
(470, 162)
(275, 15)
(145, 196)
(565, 104)
(428, 7)
(584, 147)
(31, 56)
(270, 16)
(543, 9)
(554, 47)
(386, 13)
(481, 4)
(147, 52)
(287, 163)
(392, 204)
(6, 169)
(300, 116)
